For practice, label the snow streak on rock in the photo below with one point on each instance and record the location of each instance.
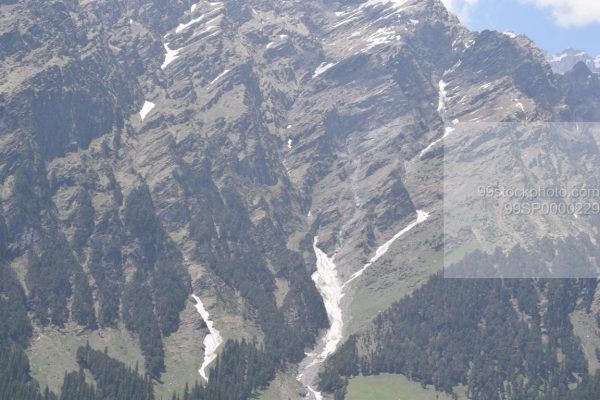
(441, 109)
(222, 74)
(442, 96)
(422, 216)
(447, 131)
(520, 107)
(212, 341)
(396, 4)
(146, 108)
(321, 69)
(382, 36)
(170, 56)
(182, 27)
(317, 395)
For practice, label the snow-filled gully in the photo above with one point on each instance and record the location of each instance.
(170, 55)
(332, 290)
(441, 109)
(212, 341)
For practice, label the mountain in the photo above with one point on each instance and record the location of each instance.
(242, 187)
(566, 60)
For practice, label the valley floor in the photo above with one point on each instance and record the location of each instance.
(390, 387)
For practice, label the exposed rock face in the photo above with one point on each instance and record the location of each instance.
(273, 121)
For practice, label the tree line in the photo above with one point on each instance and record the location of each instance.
(500, 338)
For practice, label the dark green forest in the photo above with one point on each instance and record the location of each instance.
(150, 301)
(501, 338)
(240, 370)
(15, 332)
(238, 252)
(65, 284)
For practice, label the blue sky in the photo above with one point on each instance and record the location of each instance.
(554, 25)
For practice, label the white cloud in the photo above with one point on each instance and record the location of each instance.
(462, 8)
(570, 13)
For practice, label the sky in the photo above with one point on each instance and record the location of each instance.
(555, 25)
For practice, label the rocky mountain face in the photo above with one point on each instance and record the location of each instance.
(157, 149)
(565, 61)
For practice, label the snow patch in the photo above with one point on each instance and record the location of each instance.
(321, 69)
(442, 96)
(447, 131)
(344, 22)
(520, 106)
(146, 108)
(382, 36)
(422, 216)
(510, 34)
(396, 4)
(222, 74)
(414, 21)
(317, 395)
(182, 27)
(329, 286)
(454, 68)
(290, 142)
(170, 56)
(212, 341)
(328, 283)
(208, 29)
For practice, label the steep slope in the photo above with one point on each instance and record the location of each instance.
(135, 200)
(498, 84)
(157, 150)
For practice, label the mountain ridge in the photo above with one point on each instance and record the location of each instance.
(272, 123)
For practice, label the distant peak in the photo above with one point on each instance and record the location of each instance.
(567, 59)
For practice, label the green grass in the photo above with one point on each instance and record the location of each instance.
(388, 282)
(459, 253)
(54, 352)
(390, 387)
